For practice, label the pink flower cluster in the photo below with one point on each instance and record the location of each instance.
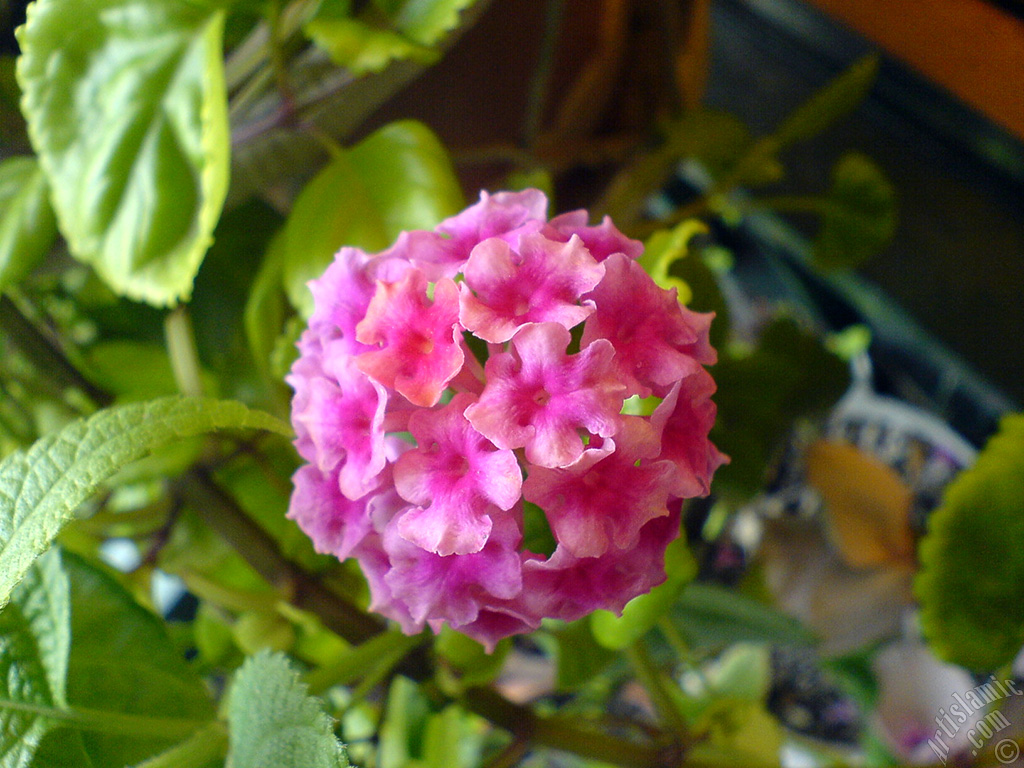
(483, 379)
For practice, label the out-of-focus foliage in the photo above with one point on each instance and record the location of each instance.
(970, 608)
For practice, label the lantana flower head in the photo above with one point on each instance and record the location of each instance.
(478, 383)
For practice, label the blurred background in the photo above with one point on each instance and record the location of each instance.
(944, 120)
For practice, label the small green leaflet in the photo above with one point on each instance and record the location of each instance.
(413, 28)
(273, 723)
(711, 616)
(127, 110)
(833, 102)
(40, 488)
(971, 582)
(35, 639)
(859, 214)
(27, 227)
(425, 21)
(362, 49)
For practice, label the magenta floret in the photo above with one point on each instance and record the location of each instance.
(471, 376)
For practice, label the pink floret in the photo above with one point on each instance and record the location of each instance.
(657, 340)
(539, 397)
(419, 341)
(336, 524)
(456, 476)
(602, 240)
(602, 500)
(684, 418)
(454, 588)
(536, 281)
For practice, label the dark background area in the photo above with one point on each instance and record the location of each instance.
(957, 260)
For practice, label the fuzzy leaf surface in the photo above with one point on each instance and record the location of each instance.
(274, 723)
(35, 639)
(42, 487)
(971, 582)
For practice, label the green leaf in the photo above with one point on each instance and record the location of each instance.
(451, 740)
(739, 733)
(40, 488)
(830, 104)
(406, 714)
(123, 663)
(364, 49)
(135, 371)
(62, 747)
(398, 178)
(35, 638)
(427, 21)
(222, 289)
(580, 657)
(274, 723)
(860, 214)
(127, 110)
(972, 604)
(267, 306)
(200, 750)
(27, 226)
(790, 375)
(642, 613)
(411, 30)
(712, 616)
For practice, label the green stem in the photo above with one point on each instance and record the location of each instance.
(275, 52)
(381, 653)
(676, 640)
(117, 723)
(568, 734)
(181, 346)
(201, 748)
(19, 423)
(652, 679)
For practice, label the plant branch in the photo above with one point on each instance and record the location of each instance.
(652, 680)
(44, 353)
(256, 546)
(559, 732)
(541, 80)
